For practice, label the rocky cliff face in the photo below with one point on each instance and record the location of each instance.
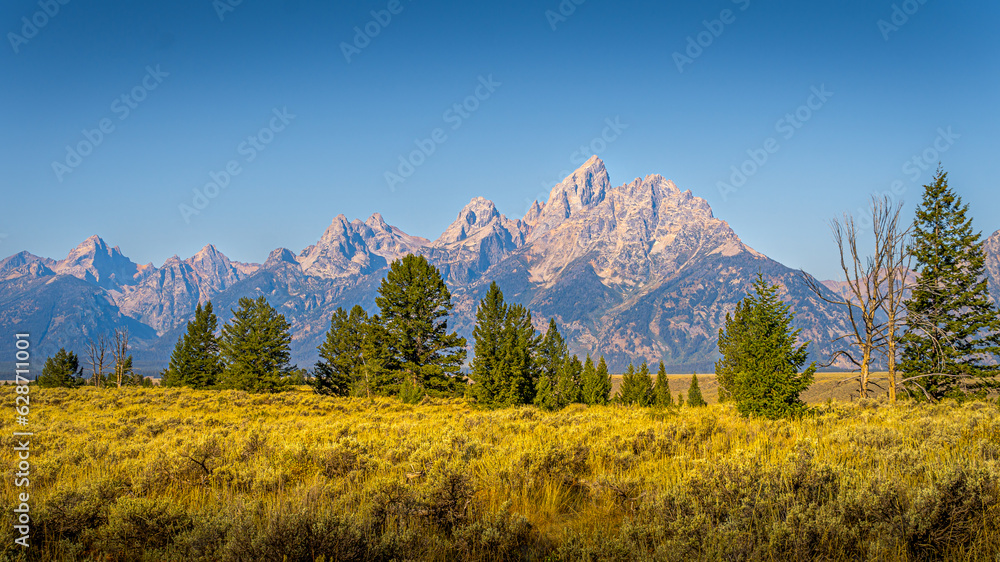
(349, 249)
(641, 271)
(478, 239)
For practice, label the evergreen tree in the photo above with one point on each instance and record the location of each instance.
(661, 391)
(255, 348)
(489, 341)
(760, 362)
(379, 371)
(195, 361)
(601, 393)
(415, 302)
(952, 337)
(589, 383)
(61, 370)
(340, 362)
(548, 358)
(694, 393)
(568, 390)
(519, 375)
(545, 394)
(637, 386)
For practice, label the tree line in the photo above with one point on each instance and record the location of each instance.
(919, 303)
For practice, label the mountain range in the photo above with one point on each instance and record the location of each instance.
(641, 271)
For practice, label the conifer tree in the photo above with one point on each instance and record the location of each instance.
(414, 303)
(520, 348)
(545, 394)
(601, 393)
(661, 391)
(760, 364)
(694, 393)
(589, 383)
(952, 338)
(549, 356)
(195, 361)
(637, 386)
(61, 370)
(255, 348)
(340, 362)
(568, 390)
(488, 347)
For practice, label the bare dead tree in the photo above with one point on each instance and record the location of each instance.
(96, 350)
(895, 244)
(867, 279)
(119, 349)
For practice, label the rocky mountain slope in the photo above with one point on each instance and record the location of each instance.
(641, 271)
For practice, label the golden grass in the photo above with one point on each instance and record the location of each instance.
(173, 474)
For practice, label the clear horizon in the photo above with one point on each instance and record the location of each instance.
(116, 113)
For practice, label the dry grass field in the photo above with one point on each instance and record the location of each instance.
(826, 386)
(167, 474)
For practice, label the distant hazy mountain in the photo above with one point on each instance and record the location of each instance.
(641, 271)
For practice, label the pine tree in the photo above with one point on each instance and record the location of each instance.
(488, 347)
(255, 348)
(568, 389)
(378, 370)
(694, 393)
(414, 303)
(520, 348)
(195, 361)
(602, 391)
(759, 369)
(661, 391)
(953, 328)
(545, 394)
(637, 386)
(61, 370)
(338, 369)
(589, 383)
(548, 358)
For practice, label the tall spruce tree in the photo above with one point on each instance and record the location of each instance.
(195, 361)
(488, 348)
(414, 303)
(549, 356)
(589, 383)
(694, 393)
(520, 373)
(952, 337)
(760, 364)
(61, 370)
(637, 386)
(338, 368)
(602, 390)
(255, 348)
(568, 388)
(661, 391)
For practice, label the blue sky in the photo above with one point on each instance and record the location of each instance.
(208, 83)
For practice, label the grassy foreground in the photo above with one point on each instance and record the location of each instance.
(166, 474)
